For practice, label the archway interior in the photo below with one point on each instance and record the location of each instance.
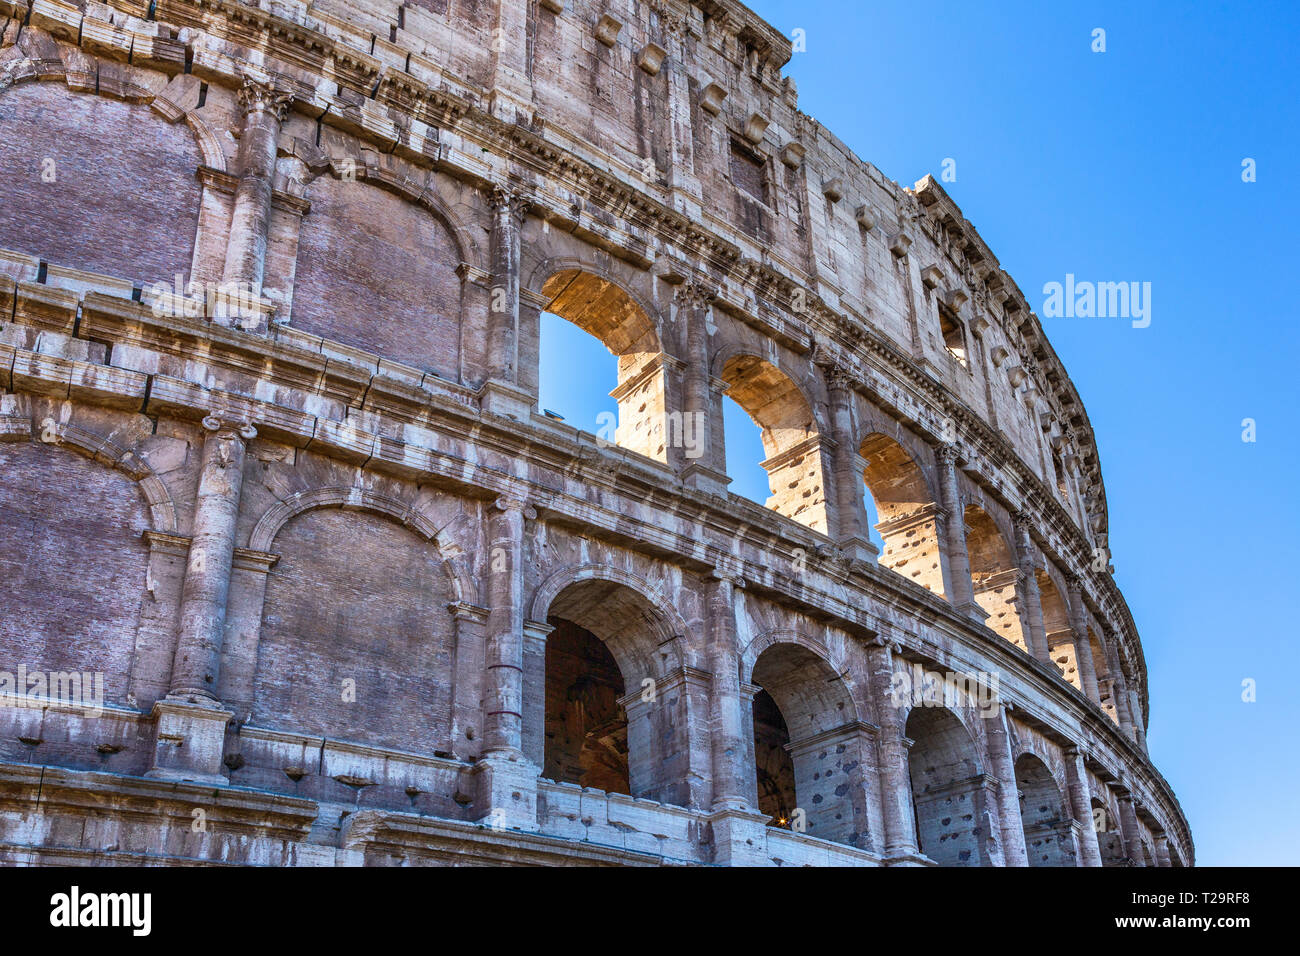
(1109, 840)
(1048, 837)
(804, 709)
(788, 432)
(611, 645)
(607, 313)
(947, 788)
(776, 790)
(1056, 623)
(586, 728)
(908, 520)
(993, 575)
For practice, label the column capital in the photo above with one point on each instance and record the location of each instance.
(515, 502)
(838, 377)
(695, 294)
(229, 428)
(947, 454)
(504, 198)
(264, 96)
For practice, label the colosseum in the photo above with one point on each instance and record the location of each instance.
(298, 572)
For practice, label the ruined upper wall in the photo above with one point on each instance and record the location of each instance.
(685, 104)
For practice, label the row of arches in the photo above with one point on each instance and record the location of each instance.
(326, 619)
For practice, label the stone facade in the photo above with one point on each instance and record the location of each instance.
(273, 471)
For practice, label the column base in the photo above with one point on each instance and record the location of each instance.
(190, 740)
(973, 611)
(906, 858)
(507, 400)
(860, 549)
(505, 796)
(739, 837)
(703, 478)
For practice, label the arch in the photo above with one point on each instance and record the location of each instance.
(143, 185)
(599, 618)
(416, 189)
(809, 741)
(157, 498)
(994, 575)
(907, 509)
(630, 331)
(1109, 839)
(1056, 624)
(1049, 837)
(796, 463)
(661, 614)
(360, 499)
(658, 653)
(948, 788)
(379, 268)
(361, 651)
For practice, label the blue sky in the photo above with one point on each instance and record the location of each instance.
(1118, 166)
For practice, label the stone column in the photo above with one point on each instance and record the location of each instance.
(737, 825)
(847, 470)
(212, 546)
(681, 132)
(728, 745)
(963, 590)
(1012, 826)
(1076, 774)
(702, 406)
(506, 795)
(1135, 713)
(502, 393)
(505, 626)
(1162, 850)
(508, 209)
(1129, 829)
(191, 724)
(1031, 602)
(1119, 688)
(510, 99)
(1082, 645)
(896, 781)
(264, 109)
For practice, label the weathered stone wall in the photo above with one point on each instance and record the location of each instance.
(320, 541)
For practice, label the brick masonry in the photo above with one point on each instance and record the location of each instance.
(355, 598)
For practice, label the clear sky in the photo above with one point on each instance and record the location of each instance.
(1124, 165)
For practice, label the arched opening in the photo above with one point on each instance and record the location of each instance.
(948, 792)
(610, 721)
(776, 790)
(1048, 836)
(795, 462)
(1105, 689)
(1109, 840)
(1060, 636)
(993, 575)
(804, 709)
(1148, 854)
(610, 315)
(743, 444)
(909, 524)
(586, 727)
